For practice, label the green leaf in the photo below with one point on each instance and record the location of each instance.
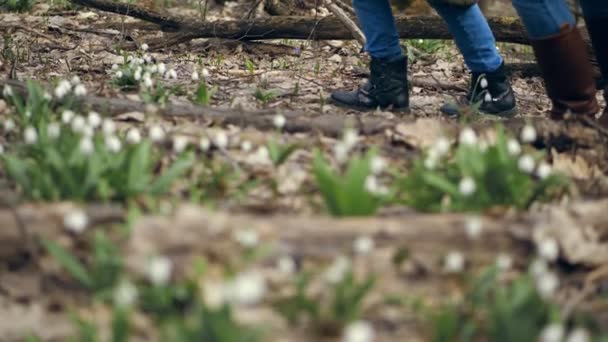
(138, 167)
(327, 184)
(69, 262)
(179, 168)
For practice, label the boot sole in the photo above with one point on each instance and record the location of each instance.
(403, 110)
(507, 114)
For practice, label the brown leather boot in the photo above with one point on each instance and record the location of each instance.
(568, 75)
(597, 27)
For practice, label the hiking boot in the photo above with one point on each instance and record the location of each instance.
(564, 64)
(596, 26)
(491, 91)
(386, 88)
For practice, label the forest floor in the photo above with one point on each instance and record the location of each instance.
(242, 211)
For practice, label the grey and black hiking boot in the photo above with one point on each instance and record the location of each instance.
(492, 92)
(387, 88)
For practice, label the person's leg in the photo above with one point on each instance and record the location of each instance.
(561, 54)
(476, 42)
(387, 86)
(596, 18)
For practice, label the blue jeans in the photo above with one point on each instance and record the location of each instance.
(544, 18)
(468, 25)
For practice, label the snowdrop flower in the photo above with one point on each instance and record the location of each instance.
(553, 332)
(373, 187)
(359, 331)
(125, 294)
(538, 267)
(205, 73)
(513, 147)
(377, 165)
(528, 134)
(108, 126)
(544, 170)
(468, 137)
(214, 294)
(75, 80)
(62, 89)
(487, 97)
(78, 124)
(113, 144)
(94, 119)
(133, 136)
(526, 163)
(7, 91)
(220, 140)
(246, 146)
(66, 116)
(148, 83)
(114, 66)
(76, 221)
(204, 144)
(504, 262)
(247, 288)
(119, 74)
(579, 335)
(341, 152)
(180, 143)
(261, 156)
(286, 265)
(162, 68)
(172, 74)
(159, 270)
(548, 249)
(30, 136)
(363, 245)
(53, 130)
(28, 113)
(335, 273)
(454, 262)
(47, 96)
(278, 121)
(157, 134)
(473, 227)
(147, 59)
(9, 125)
(86, 146)
(442, 146)
(80, 90)
(467, 186)
(483, 83)
(247, 238)
(350, 139)
(144, 47)
(431, 161)
(547, 284)
(195, 77)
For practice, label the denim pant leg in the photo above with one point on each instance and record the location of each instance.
(544, 18)
(595, 8)
(472, 34)
(378, 25)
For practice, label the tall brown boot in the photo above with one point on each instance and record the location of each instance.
(568, 75)
(598, 32)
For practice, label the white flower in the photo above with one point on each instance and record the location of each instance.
(53, 130)
(159, 270)
(373, 187)
(359, 331)
(133, 136)
(94, 119)
(7, 91)
(162, 68)
(246, 146)
(215, 294)
(172, 74)
(180, 143)
(336, 272)
(554, 332)
(75, 80)
(9, 125)
(526, 163)
(487, 97)
(513, 147)
(205, 73)
(548, 249)
(113, 144)
(144, 47)
(468, 137)
(579, 335)
(350, 139)
(341, 152)
(431, 161)
(247, 288)
(220, 140)
(114, 66)
(78, 124)
(80, 90)
(483, 83)
(454, 262)
(538, 267)
(204, 144)
(125, 294)
(547, 284)
(247, 238)
(66, 116)
(62, 89)
(157, 134)
(528, 134)
(86, 146)
(278, 121)
(363, 245)
(147, 58)
(119, 74)
(47, 96)
(261, 156)
(467, 186)
(442, 146)
(195, 77)
(504, 262)
(30, 136)
(108, 126)
(286, 265)
(377, 165)
(544, 170)
(473, 226)
(148, 83)
(28, 113)
(76, 221)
